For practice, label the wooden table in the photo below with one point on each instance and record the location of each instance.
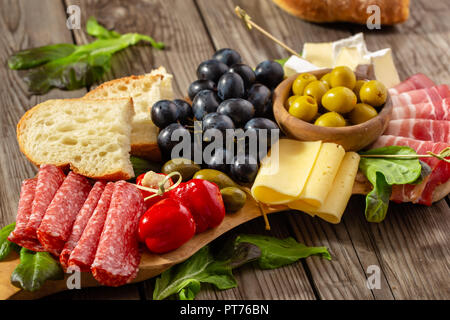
(411, 247)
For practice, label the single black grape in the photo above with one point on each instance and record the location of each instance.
(239, 110)
(259, 95)
(166, 141)
(257, 124)
(218, 160)
(199, 85)
(269, 73)
(230, 85)
(244, 168)
(211, 70)
(217, 121)
(206, 101)
(163, 113)
(227, 56)
(184, 111)
(247, 74)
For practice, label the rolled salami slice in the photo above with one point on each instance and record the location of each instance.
(49, 180)
(117, 259)
(57, 223)
(18, 236)
(83, 254)
(81, 221)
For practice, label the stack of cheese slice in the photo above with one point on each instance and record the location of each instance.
(350, 52)
(313, 177)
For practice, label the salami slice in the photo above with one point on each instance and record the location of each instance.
(83, 254)
(18, 236)
(57, 223)
(117, 259)
(49, 180)
(81, 221)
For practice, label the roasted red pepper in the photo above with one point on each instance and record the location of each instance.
(204, 201)
(166, 226)
(152, 179)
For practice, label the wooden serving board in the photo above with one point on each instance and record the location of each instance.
(151, 264)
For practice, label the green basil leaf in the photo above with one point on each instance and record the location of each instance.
(34, 269)
(93, 28)
(5, 244)
(276, 252)
(37, 56)
(385, 172)
(377, 201)
(201, 267)
(282, 61)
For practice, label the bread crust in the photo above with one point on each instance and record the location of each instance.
(116, 175)
(145, 150)
(391, 11)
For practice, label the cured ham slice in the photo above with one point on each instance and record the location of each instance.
(415, 82)
(420, 129)
(437, 111)
(433, 95)
(423, 192)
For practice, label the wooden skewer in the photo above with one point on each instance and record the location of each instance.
(250, 24)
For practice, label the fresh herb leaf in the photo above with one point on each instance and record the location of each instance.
(276, 252)
(201, 267)
(34, 269)
(185, 279)
(282, 61)
(93, 28)
(68, 66)
(35, 57)
(141, 165)
(5, 244)
(385, 172)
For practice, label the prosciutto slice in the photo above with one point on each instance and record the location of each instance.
(420, 129)
(433, 95)
(417, 81)
(423, 192)
(427, 110)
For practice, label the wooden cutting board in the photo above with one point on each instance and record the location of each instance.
(151, 264)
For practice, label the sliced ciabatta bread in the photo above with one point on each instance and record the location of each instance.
(91, 136)
(145, 90)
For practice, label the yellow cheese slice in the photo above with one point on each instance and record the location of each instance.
(334, 205)
(285, 171)
(322, 176)
(337, 199)
(319, 54)
(349, 57)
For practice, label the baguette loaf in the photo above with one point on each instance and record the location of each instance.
(391, 11)
(145, 90)
(90, 136)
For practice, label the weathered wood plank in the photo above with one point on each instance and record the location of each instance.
(22, 28)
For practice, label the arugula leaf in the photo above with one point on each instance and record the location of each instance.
(35, 57)
(68, 66)
(5, 244)
(385, 172)
(185, 279)
(93, 28)
(201, 267)
(276, 252)
(34, 269)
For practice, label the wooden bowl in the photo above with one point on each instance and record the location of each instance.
(352, 138)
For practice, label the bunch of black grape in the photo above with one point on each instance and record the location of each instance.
(227, 95)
